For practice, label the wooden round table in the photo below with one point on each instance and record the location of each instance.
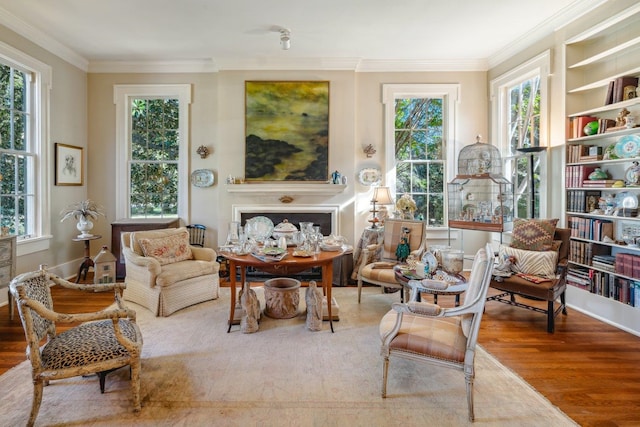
(288, 266)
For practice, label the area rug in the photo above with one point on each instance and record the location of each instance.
(195, 373)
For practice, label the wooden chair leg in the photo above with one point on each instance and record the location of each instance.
(38, 385)
(385, 370)
(550, 317)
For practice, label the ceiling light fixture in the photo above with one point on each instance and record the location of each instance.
(285, 38)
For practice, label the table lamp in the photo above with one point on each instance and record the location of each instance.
(381, 196)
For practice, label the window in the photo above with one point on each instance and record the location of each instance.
(24, 88)
(420, 121)
(519, 107)
(152, 129)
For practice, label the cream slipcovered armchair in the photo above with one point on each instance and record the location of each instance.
(379, 259)
(108, 340)
(446, 337)
(165, 273)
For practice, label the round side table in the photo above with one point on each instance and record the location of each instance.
(87, 261)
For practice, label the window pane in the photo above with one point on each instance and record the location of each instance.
(403, 139)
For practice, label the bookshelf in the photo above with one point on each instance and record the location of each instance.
(601, 63)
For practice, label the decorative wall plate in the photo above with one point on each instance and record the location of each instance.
(202, 178)
(628, 147)
(370, 176)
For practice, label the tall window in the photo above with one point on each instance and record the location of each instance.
(519, 99)
(153, 129)
(419, 122)
(24, 85)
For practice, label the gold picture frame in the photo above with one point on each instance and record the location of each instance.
(69, 165)
(287, 131)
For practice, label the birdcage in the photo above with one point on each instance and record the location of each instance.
(479, 197)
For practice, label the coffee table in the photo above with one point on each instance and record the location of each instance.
(404, 276)
(288, 266)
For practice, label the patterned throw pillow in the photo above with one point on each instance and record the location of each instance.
(533, 234)
(167, 249)
(537, 263)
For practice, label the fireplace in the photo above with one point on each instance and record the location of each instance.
(326, 216)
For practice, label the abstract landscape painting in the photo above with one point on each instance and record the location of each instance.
(287, 131)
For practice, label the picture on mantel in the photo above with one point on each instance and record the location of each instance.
(287, 131)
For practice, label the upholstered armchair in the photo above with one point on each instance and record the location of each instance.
(446, 337)
(379, 259)
(108, 340)
(165, 273)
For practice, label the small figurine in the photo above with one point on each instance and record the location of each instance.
(403, 250)
(313, 298)
(336, 178)
(251, 306)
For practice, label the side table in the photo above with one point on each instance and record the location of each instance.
(87, 262)
(409, 280)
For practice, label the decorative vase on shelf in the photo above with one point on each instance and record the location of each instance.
(84, 226)
(598, 174)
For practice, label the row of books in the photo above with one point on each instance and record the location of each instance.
(621, 89)
(590, 228)
(628, 264)
(577, 153)
(626, 291)
(583, 200)
(576, 175)
(580, 252)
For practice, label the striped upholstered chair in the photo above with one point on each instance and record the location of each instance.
(379, 259)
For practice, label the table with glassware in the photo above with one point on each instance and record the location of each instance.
(292, 252)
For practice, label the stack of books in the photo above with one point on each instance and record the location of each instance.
(604, 262)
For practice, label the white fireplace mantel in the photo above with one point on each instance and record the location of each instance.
(287, 189)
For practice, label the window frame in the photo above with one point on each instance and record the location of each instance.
(122, 98)
(39, 134)
(539, 65)
(450, 94)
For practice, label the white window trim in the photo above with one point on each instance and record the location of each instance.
(451, 96)
(122, 95)
(539, 65)
(40, 131)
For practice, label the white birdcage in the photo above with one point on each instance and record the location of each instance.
(479, 197)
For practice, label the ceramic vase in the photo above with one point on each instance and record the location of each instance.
(84, 226)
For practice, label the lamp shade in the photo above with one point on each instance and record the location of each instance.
(382, 196)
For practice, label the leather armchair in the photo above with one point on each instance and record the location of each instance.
(159, 277)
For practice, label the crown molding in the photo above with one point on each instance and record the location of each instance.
(43, 40)
(567, 15)
(421, 65)
(181, 66)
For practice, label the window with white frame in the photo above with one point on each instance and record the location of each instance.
(419, 120)
(519, 106)
(24, 88)
(152, 148)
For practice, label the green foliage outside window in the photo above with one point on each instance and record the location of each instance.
(15, 159)
(154, 157)
(419, 152)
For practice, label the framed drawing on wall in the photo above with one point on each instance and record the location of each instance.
(286, 131)
(68, 165)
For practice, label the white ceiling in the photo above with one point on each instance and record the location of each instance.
(239, 34)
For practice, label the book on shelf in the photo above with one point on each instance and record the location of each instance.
(604, 124)
(578, 124)
(623, 87)
(610, 89)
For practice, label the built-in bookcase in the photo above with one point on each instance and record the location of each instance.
(601, 63)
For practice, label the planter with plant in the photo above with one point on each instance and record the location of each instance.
(83, 212)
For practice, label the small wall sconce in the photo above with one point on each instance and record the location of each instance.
(369, 150)
(203, 151)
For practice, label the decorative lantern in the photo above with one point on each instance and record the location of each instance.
(104, 267)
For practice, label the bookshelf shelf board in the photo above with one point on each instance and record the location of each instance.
(607, 107)
(605, 162)
(608, 217)
(605, 135)
(604, 26)
(605, 81)
(607, 53)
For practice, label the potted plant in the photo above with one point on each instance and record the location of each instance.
(84, 212)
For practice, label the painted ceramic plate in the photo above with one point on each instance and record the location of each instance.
(370, 176)
(628, 146)
(273, 251)
(626, 201)
(430, 259)
(259, 227)
(632, 175)
(202, 178)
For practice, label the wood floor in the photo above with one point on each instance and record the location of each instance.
(590, 370)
